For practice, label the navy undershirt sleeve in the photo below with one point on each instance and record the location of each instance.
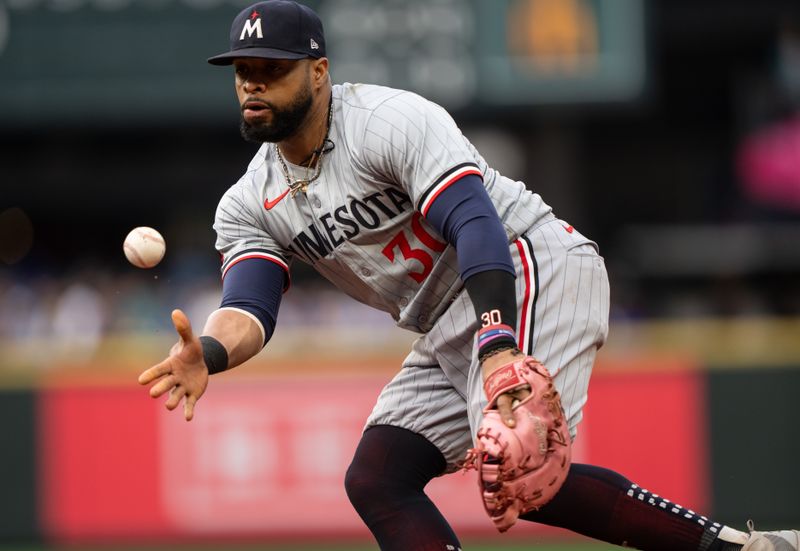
(465, 216)
(255, 285)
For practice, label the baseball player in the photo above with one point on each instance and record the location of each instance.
(379, 191)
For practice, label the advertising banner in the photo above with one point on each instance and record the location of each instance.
(116, 464)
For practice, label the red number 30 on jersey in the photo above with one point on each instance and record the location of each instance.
(400, 242)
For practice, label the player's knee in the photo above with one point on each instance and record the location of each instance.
(363, 485)
(377, 476)
(370, 489)
(357, 485)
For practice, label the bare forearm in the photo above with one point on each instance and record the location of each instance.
(241, 336)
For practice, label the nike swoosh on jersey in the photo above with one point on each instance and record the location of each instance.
(269, 204)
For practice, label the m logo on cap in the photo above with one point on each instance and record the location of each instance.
(252, 25)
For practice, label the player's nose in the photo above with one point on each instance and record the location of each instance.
(252, 85)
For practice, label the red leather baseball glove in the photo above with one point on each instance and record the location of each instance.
(521, 468)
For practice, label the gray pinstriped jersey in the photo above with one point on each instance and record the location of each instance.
(361, 223)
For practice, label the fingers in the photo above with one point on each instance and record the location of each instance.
(159, 370)
(164, 385)
(504, 402)
(172, 374)
(175, 396)
(188, 407)
(182, 325)
(508, 401)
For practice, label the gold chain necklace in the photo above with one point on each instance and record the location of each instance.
(303, 183)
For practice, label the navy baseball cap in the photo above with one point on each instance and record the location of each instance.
(275, 29)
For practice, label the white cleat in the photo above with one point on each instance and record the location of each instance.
(779, 540)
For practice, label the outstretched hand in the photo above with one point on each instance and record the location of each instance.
(183, 374)
(507, 400)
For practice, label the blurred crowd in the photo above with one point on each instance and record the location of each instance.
(75, 314)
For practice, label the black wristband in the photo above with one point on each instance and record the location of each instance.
(493, 294)
(493, 290)
(214, 354)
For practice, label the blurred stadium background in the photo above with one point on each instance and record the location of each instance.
(667, 130)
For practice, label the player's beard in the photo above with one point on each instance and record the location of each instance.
(285, 120)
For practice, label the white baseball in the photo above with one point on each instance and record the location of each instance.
(144, 247)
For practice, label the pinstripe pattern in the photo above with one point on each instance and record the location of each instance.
(566, 287)
(389, 145)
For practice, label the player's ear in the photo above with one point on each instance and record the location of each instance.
(319, 72)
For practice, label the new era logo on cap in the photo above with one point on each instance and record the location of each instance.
(275, 29)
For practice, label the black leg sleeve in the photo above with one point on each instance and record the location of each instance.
(385, 484)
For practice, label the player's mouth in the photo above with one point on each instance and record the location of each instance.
(252, 110)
